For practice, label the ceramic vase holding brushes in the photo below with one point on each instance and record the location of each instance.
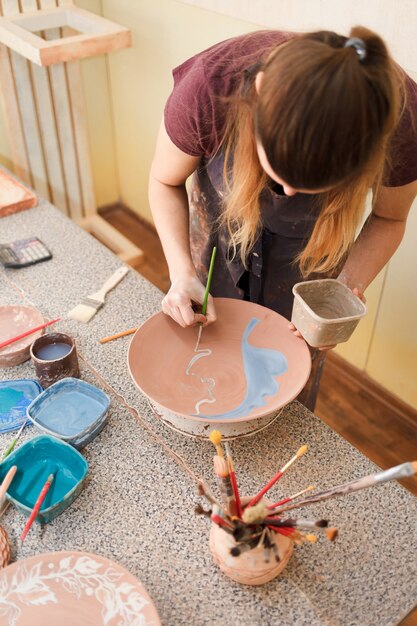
(250, 567)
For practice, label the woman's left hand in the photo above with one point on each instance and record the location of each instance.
(298, 334)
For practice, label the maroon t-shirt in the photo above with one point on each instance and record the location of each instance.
(195, 111)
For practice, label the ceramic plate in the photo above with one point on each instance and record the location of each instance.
(15, 320)
(15, 397)
(248, 364)
(68, 588)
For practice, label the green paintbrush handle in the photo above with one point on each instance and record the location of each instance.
(10, 448)
(210, 274)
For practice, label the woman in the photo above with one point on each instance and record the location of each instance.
(284, 135)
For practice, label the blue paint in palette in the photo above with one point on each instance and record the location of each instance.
(15, 397)
(261, 367)
(71, 409)
(69, 414)
(35, 460)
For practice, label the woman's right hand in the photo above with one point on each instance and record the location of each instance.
(185, 294)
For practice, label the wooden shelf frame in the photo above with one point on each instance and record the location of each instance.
(98, 35)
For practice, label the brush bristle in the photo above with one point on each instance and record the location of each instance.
(322, 523)
(414, 466)
(302, 450)
(82, 313)
(215, 437)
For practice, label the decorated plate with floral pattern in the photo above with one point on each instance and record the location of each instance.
(73, 588)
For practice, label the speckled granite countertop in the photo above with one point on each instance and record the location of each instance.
(137, 507)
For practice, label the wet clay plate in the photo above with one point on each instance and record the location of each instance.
(248, 364)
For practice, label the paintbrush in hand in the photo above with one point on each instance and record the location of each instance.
(206, 295)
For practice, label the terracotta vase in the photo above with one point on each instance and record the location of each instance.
(249, 568)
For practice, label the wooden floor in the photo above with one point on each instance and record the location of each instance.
(378, 424)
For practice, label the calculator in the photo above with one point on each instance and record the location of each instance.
(23, 253)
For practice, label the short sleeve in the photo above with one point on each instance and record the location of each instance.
(402, 166)
(189, 115)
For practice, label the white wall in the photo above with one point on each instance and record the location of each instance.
(395, 20)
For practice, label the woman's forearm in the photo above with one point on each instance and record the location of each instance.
(377, 242)
(169, 205)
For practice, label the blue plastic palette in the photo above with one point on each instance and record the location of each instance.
(15, 397)
(35, 460)
(71, 409)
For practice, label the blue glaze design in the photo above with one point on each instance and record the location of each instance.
(35, 460)
(15, 397)
(72, 410)
(53, 351)
(261, 366)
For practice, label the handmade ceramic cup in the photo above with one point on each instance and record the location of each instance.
(325, 311)
(249, 568)
(54, 356)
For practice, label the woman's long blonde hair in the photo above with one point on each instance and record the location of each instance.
(324, 118)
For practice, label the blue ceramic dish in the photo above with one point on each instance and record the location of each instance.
(70, 409)
(15, 397)
(35, 460)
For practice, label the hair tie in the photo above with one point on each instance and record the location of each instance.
(359, 45)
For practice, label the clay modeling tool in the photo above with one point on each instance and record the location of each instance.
(91, 304)
(37, 506)
(206, 295)
(122, 334)
(6, 483)
(28, 332)
(394, 473)
(14, 441)
(278, 475)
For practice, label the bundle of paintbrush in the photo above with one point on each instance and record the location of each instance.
(253, 522)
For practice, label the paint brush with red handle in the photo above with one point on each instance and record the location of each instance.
(291, 498)
(233, 480)
(37, 506)
(394, 473)
(278, 475)
(3, 344)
